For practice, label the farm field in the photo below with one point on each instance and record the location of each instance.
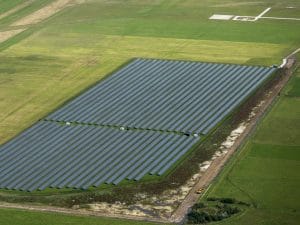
(8, 5)
(265, 172)
(58, 58)
(88, 41)
(20, 217)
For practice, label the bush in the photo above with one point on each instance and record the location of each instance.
(243, 203)
(223, 200)
(198, 205)
(212, 199)
(201, 213)
(228, 200)
(195, 217)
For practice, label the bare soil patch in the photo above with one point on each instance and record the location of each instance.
(44, 12)
(5, 35)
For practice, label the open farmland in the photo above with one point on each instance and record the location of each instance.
(48, 61)
(21, 217)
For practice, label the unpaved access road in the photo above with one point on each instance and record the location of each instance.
(5, 35)
(44, 12)
(35, 17)
(217, 165)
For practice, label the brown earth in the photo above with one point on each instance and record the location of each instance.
(5, 35)
(44, 12)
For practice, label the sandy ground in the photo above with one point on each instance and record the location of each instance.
(15, 9)
(44, 12)
(5, 35)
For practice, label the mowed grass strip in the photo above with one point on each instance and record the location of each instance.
(8, 5)
(266, 171)
(6, 22)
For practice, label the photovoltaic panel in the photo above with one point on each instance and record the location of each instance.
(168, 95)
(50, 154)
(129, 125)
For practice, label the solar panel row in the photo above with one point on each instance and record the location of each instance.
(50, 154)
(189, 97)
(180, 96)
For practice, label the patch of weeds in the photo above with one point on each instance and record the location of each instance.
(221, 209)
(227, 201)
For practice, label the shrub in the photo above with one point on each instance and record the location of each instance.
(228, 200)
(198, 205)
(201, 213)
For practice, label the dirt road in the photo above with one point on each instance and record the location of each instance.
(5, 35)
(43, 13)
(217, 165)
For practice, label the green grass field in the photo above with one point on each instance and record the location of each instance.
(265, 173)
(8, 5)
(20, 217)
(58, 58)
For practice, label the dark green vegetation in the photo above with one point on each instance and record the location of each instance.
(265, 172)
(20, 217)
(221, 209)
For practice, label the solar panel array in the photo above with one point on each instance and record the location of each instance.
(128, 125)
(54, 155)
(188, 97)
